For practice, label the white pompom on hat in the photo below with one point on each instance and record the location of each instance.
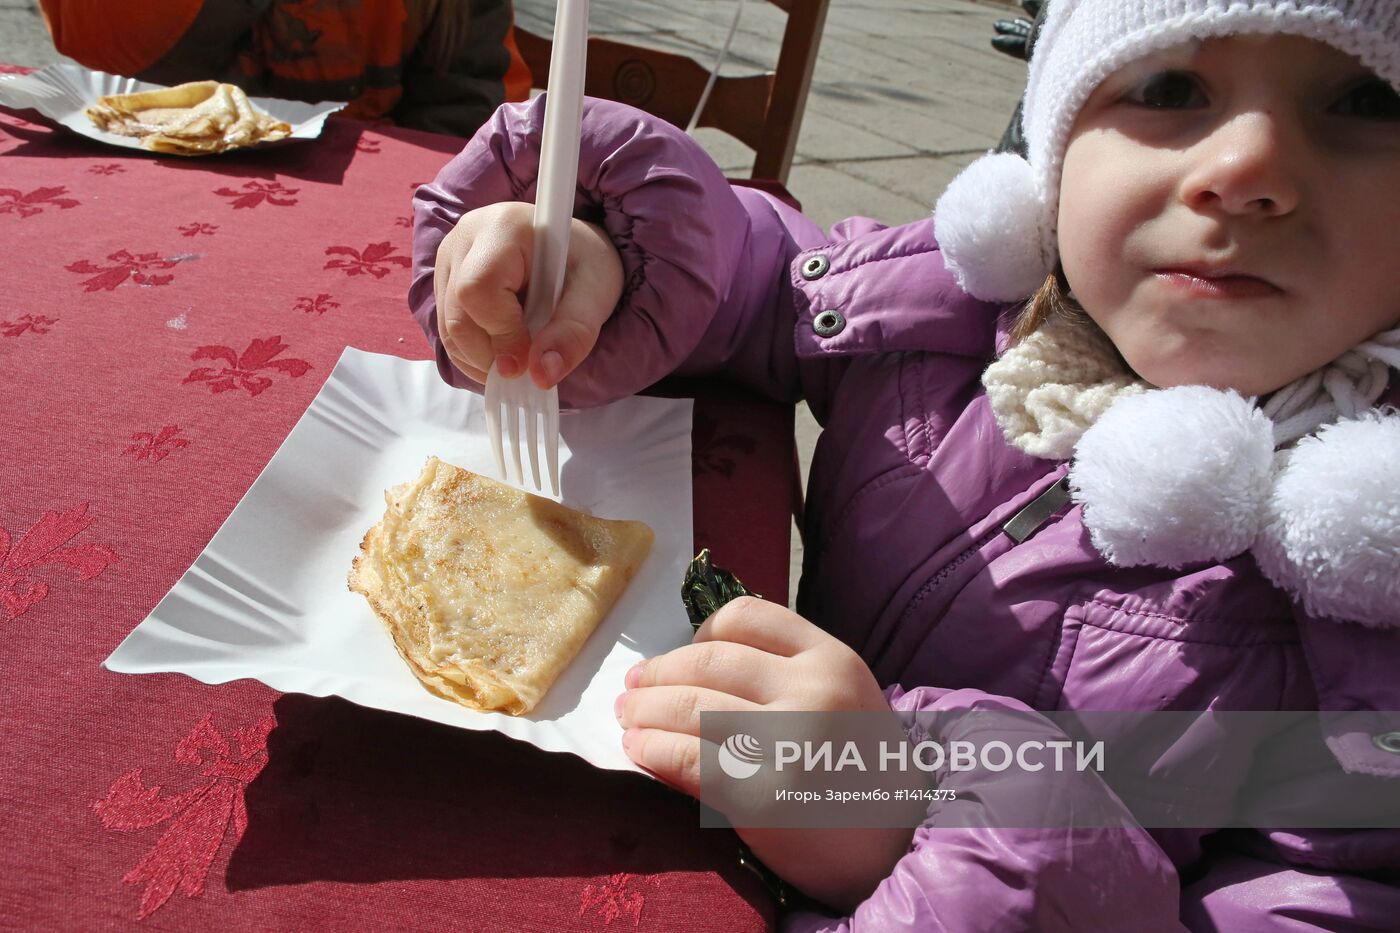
(988, 217)
(991, 213)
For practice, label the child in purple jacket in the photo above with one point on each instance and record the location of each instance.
(1162, 343)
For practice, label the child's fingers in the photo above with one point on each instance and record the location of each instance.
(563, 343)
(672, 757)
(448, 254)
(467, 345)
(675, 709)
(592, 287)
(741, 671)
(762, 625)
(481, 305)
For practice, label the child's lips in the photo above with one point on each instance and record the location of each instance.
(1202, 283)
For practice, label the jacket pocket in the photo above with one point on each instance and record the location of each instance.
(1142, 659)
(1059, 661)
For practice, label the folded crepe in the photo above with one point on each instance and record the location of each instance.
(489, 592)
(189, 119)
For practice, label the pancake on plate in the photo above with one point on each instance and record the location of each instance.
(198, 118)
(489, 592)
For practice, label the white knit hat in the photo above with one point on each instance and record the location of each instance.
(996, 223)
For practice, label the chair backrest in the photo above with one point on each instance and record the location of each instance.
(763, 111)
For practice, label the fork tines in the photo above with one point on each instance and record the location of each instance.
(515, 401)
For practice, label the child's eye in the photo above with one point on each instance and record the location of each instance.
(1374, 100)
(1167, 90)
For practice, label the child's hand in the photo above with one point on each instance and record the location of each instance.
(754, 655)
(483, 267)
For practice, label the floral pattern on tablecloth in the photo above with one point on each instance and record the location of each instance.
(198, 818)
(42, 553)
(29, 203)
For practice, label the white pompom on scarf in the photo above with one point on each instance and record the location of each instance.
(1331, 535)
(1190, 474)
(1154, 494)
(1309, 481)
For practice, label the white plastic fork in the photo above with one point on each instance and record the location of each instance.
(519, 399)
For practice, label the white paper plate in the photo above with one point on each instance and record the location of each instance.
(267, 598)
(62, 92)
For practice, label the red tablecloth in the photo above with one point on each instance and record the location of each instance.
(163, 324)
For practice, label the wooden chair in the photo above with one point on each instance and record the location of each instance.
(763, 111)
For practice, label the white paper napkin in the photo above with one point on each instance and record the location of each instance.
(267, 598)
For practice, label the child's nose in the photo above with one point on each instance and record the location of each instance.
(1247, 165)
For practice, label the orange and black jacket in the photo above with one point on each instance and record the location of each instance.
(387, 58)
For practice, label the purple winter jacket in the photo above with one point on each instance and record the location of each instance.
(906, 559)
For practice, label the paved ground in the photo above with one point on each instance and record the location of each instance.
(906, 92)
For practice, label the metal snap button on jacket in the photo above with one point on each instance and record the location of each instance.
(1387, 742)
(815, 267)
(829, 323)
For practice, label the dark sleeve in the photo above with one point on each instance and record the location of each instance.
(460, 99)
(209, 48)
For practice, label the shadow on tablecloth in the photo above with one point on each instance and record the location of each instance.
(324, 159)
(358, 795)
